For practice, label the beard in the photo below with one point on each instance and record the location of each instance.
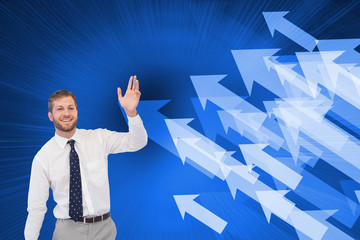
(65, 129)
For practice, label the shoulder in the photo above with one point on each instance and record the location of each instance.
(94, 135)
(43, 154)
(93, 132)
(48, 146)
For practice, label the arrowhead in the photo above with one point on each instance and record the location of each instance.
(219, 155)
(180, 121)
(225, 170)
(267, 213)
(150, 115)
(182, 146)
(177, 127)
(349, 45)
(330, 56)
(148, 108)
(269, 106)
(291, 136)
(245, 148)
(315, 228)
(184, 202)
(269, 64)
(207, 86)
(273, 19)
(234, 112)
(227, 120)
(275, 202)
(152, 105)
(232, 183)
(230, 161)
(252, 67)
(249, 150)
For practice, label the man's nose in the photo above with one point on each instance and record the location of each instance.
(66, 112)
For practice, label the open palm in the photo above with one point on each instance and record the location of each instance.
(131, 98)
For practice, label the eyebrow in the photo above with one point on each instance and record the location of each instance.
(72, 105)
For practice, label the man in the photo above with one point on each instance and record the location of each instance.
(74, 164)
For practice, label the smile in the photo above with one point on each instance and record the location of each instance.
(66, 120)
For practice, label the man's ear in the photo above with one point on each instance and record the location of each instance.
(50, 116)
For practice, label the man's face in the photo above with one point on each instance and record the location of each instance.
(64, 114)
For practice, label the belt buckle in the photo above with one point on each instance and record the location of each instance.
(93, 219)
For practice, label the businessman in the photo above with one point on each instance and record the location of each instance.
(74, 165)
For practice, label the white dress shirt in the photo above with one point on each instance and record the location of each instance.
(50, 168)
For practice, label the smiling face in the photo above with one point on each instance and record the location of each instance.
(64, 115)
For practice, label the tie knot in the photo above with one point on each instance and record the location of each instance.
(71, 142)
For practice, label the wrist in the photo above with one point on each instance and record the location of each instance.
(131, 113)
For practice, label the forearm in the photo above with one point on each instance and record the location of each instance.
(33, 224)
(135, 139)
(38, 195)
(137, 132)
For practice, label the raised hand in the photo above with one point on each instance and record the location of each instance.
(131, 98)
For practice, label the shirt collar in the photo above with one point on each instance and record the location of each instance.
(61, 141)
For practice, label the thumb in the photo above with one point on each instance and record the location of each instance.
(119, 93)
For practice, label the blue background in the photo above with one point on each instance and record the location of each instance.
(90, 48)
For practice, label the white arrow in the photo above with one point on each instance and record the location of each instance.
(276, 21)
(187, 204)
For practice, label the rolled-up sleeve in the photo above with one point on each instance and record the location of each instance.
(134, 140)
(37, 198)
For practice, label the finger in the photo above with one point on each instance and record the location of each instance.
(119, 93)
(134, 82)
(137, 86)
(130, 83)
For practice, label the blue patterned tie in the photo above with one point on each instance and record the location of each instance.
(75, 193)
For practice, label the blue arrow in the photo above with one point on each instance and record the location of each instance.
(276, 21)
(252, 67)
(274, 202)
(205, 161)
(154, 123)
(233, 119)
(213, 127)
(348, 45)
(253, 154)
(208, 88)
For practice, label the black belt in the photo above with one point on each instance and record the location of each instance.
(94, 219)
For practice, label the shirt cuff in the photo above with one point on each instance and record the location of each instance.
(134, 120)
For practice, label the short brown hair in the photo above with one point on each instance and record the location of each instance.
(60, 94)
